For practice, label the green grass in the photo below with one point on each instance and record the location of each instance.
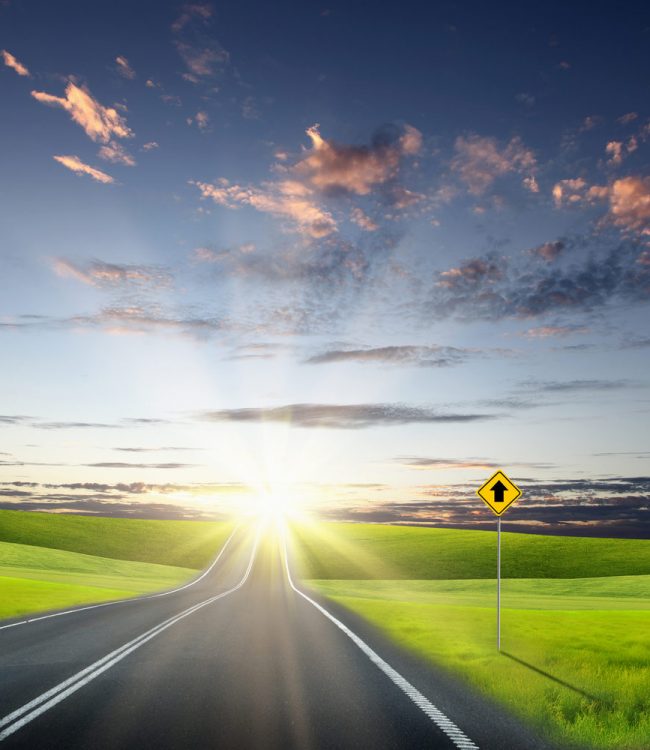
(575, 618)
(187, 544)
(36, 579)
(355, 551)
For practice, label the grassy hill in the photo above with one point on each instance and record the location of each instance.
(187, 544)
(36, 579)
(56, 561)
(575, 658)
(358, 551)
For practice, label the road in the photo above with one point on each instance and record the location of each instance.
(241, 659)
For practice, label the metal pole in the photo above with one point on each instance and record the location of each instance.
(499, 583)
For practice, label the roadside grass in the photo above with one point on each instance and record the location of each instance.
(575, 659)
(356, 551)
(37, 579)
(187, 544)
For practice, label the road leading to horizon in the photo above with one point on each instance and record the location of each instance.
(238, 660)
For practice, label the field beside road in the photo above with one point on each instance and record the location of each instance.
(575, 659)
(52, 562)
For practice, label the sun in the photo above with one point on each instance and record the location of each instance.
(276, 503)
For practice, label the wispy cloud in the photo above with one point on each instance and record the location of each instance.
(77, 166)
(341, 416)
(101, 274)
(422, 356)
(11, 62)
(203, 55)
(100, 123)
(124, 68)
(117, 154)
(480, 160)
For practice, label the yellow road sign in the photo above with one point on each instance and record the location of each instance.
(499, 493)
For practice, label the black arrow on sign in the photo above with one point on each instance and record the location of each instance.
(498, 489)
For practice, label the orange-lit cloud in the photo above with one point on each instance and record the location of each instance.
(117, 154)
(363, 221)
(287, 198)
(11, 62)
(330, 167)
(124, 68)
(101, 274)
(100, 123)
(629, 204)
(479, 161)
(75, 164)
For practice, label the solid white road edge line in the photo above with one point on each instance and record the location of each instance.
(456, 735)
(34, 708)
(130, 599)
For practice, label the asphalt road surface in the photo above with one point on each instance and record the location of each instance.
(241, 659)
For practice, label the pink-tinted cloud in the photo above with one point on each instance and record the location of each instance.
(479, 161)
(287, 198)
(124, 68)
(202, 120)
(471, 273)
(11, 62)
(544, 332)
(117, 154)
(629, 204)
(100, 274)
(363, 221)
(330, 167)
(549, 251)
(628, 199)
(75, 164)
(100, 123)
(191, 12)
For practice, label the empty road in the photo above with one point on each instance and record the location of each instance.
(241, 659)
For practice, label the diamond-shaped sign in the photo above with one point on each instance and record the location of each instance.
(499, 493)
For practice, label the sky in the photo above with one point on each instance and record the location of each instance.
(345, 257)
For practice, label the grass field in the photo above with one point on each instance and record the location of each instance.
(54, 561)
(188, 544)
(575, 618)
(36, 579)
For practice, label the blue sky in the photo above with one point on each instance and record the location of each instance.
(353, 255)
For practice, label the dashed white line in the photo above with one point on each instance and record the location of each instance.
(444, 723)
(37, 706)
(130, 599)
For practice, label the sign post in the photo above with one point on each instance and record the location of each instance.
(499, 493)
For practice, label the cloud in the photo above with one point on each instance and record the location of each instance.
(125, 465)
(100, 123)
(422, 356)
(629, 204)
(479, 161)
(333, 168)
(13, 418)
(628, 198)
(100, 274)
(117, 154)
(287, 199)
(627, 118)
(574, 386)
(201, 119)
(74, 425)
(203, 55)
(326, 171)
(443, 464)
(341, 416)
(75, 164)
(492, 288)
(150, 146)
(124, 68)
(544, 332)
(549, 251)
(136, 320)
(11, 62)
(363, 221)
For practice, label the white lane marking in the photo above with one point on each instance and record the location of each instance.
(456, 735)
(130, 599)
(34, 708)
